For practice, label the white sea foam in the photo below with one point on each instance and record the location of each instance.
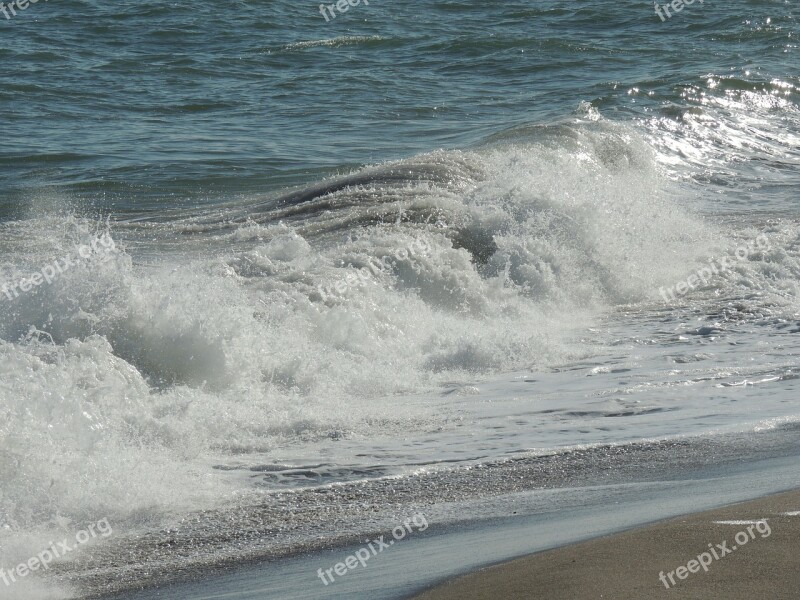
(122, 386)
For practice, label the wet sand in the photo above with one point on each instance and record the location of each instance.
(643, 563)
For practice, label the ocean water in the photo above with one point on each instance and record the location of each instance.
(308, 277)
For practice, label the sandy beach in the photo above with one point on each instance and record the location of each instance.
(638, 564)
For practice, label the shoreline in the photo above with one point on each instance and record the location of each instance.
(554, 518)
(739, 551)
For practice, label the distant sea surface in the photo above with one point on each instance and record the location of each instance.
(417, 257)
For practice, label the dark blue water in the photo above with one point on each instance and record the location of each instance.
(135, 104)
